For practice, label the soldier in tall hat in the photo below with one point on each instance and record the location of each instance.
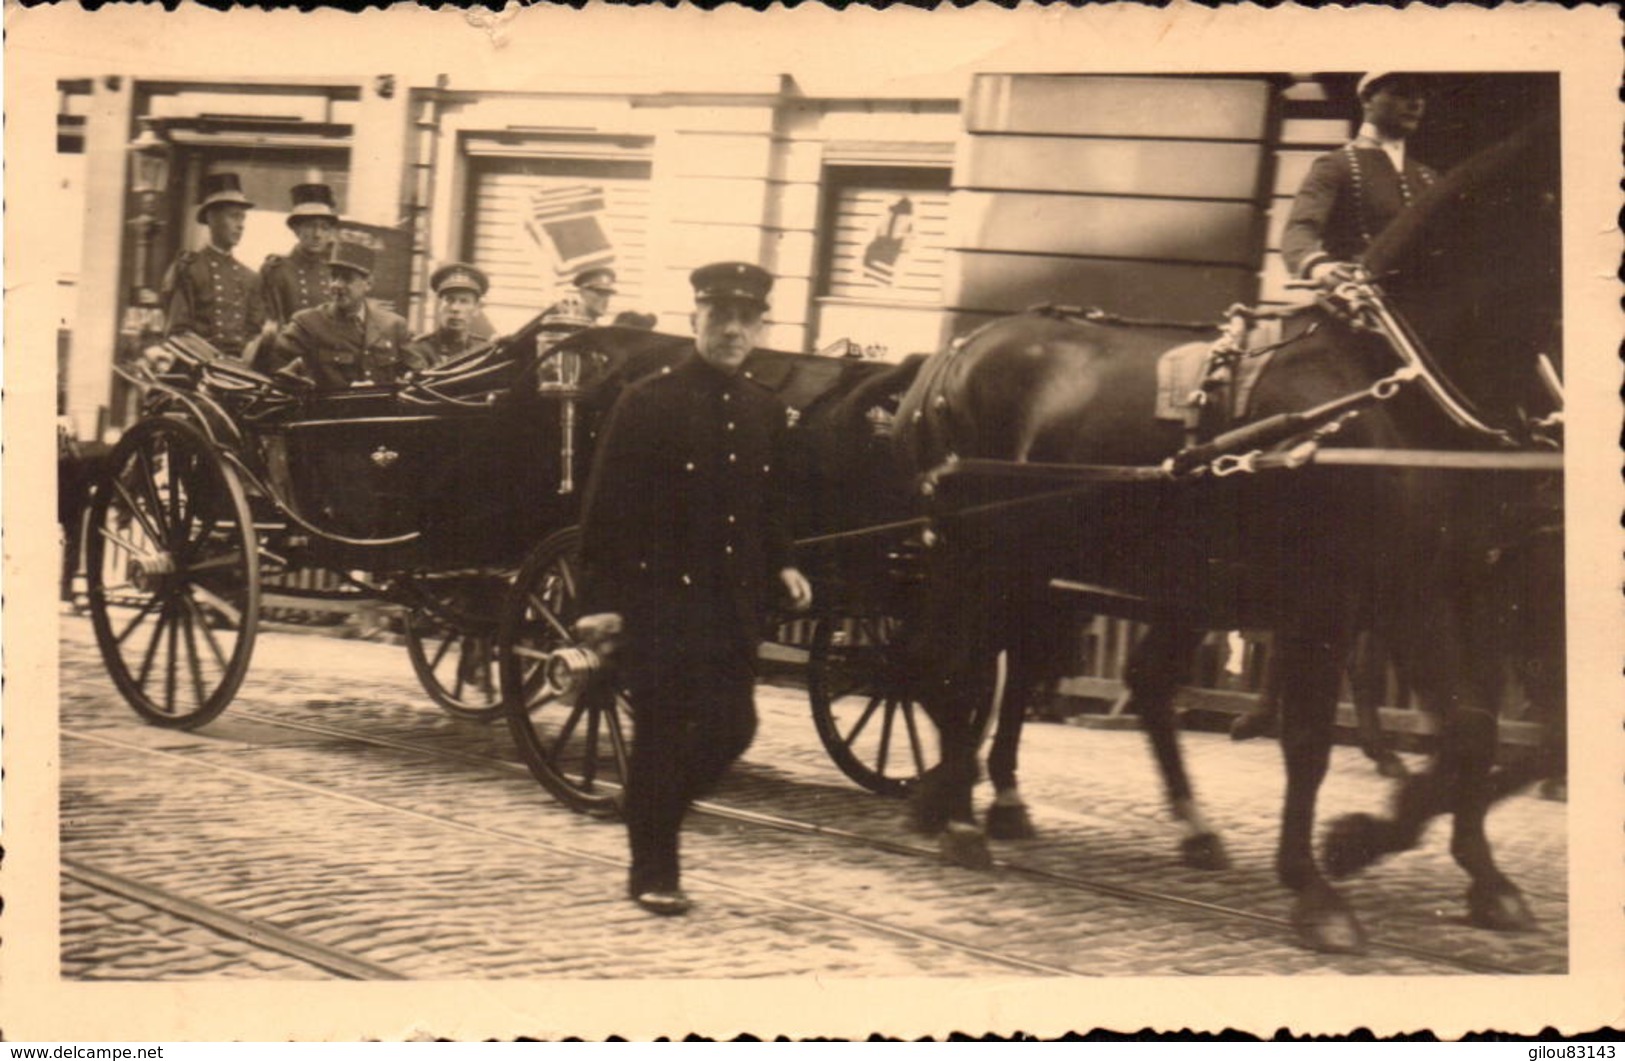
(298, 280)
(1352, 193)
(349, 338)
(458, 289)
(594, 288)
(208, 292)
(685, 536)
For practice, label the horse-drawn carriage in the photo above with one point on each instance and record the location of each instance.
(452, 496)
(435, 495)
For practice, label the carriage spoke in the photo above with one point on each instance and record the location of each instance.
(208, 635)
(172, 664)
(567, 731)
(219, 604)
(152, 646)
(135, 509)
(552, 620)
(567, 575)
(195, 663)
(914, 737)
(589, 763)
(885, 737)
(149, 486)
(140, 617)
(617, 738)
(863, 720)
(231, 559)
(440, 654)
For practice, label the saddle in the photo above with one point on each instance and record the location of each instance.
(1208, 386)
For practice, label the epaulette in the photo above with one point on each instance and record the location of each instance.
(272, 259)
(745, 374)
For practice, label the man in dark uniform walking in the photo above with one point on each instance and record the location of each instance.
(685, 535)
(298, 280)
(458, 289)
(209, 293)
(1352, 193)
(350, 338)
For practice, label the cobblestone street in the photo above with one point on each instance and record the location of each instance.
(334, 806)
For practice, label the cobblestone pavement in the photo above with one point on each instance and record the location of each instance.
(438, 857)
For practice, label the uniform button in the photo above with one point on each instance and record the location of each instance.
(687, 581)
(728, 549)
(730, 425)
(726, 396)
(688, 467)
(733, 458)
(731, 519)
(766, 468)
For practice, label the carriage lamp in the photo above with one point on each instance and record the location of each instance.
(149, 180)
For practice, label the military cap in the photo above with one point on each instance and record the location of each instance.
(600, 278)
(459, 277)
(354, 249)
(220, 189)
(739, 281)
(1371, 82)
(312, 200)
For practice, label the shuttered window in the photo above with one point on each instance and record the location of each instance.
(534, 222)
(887, 242)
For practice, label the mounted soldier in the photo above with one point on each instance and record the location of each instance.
(1351, 194)
(208, 292)
(458, 290)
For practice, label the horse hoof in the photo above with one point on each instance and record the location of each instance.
(1009, 822)
(1252, 724)
(1352, 843)
(1392, 766)
(1325, 923)
(1204, 851)
(1500, 906)
(1555, 789)
(964, 845)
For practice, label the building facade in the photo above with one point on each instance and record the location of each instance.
(892, 223)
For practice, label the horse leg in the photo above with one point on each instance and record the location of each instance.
(1309, 670)
(1159, 664)
(1034, 655)
(1368, 673)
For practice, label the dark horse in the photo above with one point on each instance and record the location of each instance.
(1313, 553)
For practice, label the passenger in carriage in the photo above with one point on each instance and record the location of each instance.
(1352, 193)
(209, 293)
(458, 291)
(590, 301)
(350, 338)
(685, 534)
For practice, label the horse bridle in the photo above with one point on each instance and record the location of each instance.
(1363, 302)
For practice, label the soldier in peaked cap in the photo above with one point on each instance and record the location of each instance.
(458, 289)
(589, 301)
(1352, 193)
(208, 292)
(685, 535)
(349, 338)
(298, 280)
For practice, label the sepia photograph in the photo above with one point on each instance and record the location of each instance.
(650, 521)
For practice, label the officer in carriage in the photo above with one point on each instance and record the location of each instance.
(685, 534)
(1351, 194)
(209, 293)
(350, 338)
(458, 291)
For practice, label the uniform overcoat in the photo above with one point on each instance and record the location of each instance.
(209, 293)
(338, 351)
(685, 523)
(1348, 197)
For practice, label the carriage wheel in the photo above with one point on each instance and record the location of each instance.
(173, 574)
(575, 741)
(863, 704)
(452, 644)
